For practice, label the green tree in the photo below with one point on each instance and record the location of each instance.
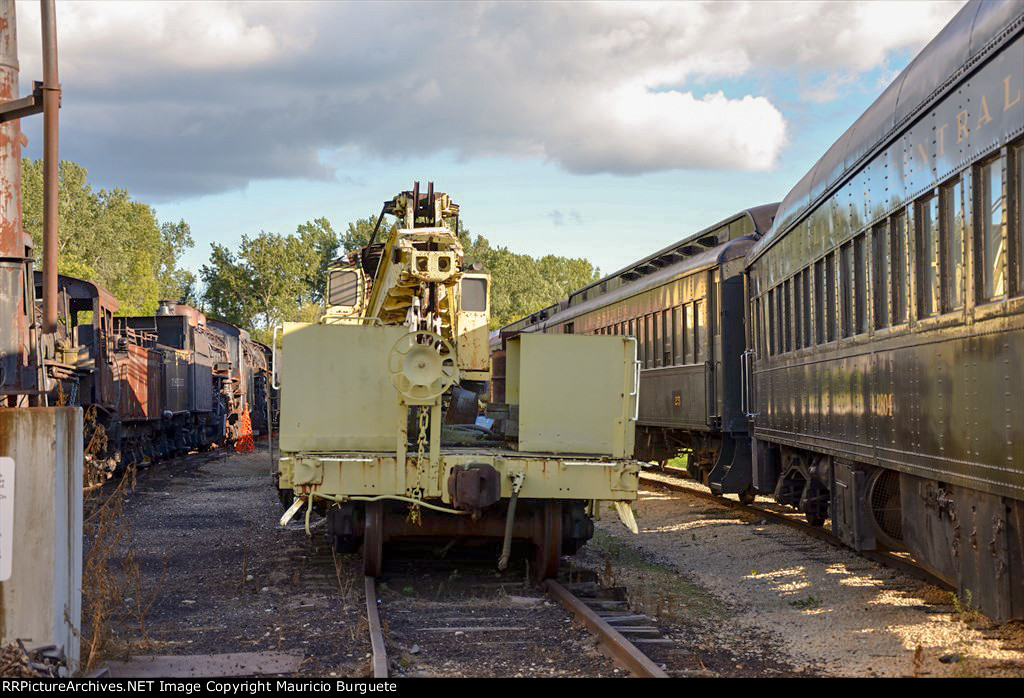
(108, 238)
(266, 284)
(318, 236)
(360, 231)
(175, 283)
(226, 287)
(521, 284)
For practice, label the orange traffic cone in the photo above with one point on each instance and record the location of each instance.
(244, 443)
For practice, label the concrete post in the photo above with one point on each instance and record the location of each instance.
(42, 600)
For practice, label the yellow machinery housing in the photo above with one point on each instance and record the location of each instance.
(380, 399)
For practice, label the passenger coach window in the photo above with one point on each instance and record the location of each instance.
(928, 257)
(990, 235)
(830, 296)
(648, 344)
(700, 335)
(666, 337)
(805, 277)
(787, 315)
(677, 336)
(880, 259)
(780, 334)
(755, 312)
(655, 321)
(845, 288)
(819, 301)
(772, 324)
(798, 312)
(952, 245)
(860, 284)
(641, 343)
(898, 259)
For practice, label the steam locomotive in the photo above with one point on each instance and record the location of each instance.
(153, 386)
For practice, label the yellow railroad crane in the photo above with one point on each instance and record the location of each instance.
(380, 399)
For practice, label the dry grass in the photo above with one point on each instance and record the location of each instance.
(113, 585)
(103, 589)
(97, 471)
(347, 577)
(142, 598)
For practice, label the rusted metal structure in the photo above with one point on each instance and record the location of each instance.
(41, 447)
(157, 385)
(22, 375)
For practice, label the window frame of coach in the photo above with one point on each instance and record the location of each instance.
(681, 333)
(935, 261)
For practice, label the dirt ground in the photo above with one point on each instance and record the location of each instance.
(217, 574)
(820, 609)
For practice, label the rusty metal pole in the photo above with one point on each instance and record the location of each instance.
(15, 341)
(51, 163)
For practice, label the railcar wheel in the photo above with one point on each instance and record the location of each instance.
(547, 551)
(373, 539)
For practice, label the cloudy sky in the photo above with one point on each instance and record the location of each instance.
(601, 130)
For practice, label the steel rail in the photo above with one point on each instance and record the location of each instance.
(621, 649)
(912, 569)
(380, 652)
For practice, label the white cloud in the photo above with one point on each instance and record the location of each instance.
(184, 98)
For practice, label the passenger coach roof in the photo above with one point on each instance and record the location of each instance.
(710, 257)
(692, 252)
(760, 221)
(972, 29)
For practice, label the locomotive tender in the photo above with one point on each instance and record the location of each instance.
(882, 368)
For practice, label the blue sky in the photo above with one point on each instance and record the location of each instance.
(596, 130)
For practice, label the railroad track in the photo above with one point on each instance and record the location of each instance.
(608, 619)
(906, 565)
(611, 639)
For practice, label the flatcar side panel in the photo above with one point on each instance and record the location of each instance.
(574, 394)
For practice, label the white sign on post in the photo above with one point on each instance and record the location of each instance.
(6, 516)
